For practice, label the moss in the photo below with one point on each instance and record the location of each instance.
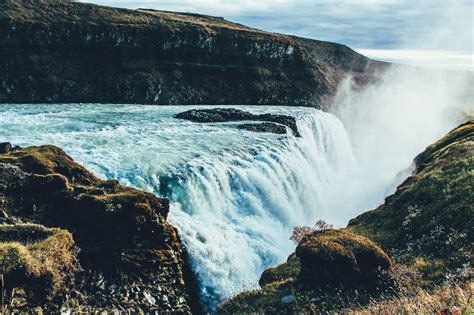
(121, 233)
(462, 133)
(48, 159)
(430, 216)
(340, 258)
(286, 271)
(36, 258)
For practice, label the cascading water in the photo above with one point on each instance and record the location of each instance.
(237, 210)
(236, 195)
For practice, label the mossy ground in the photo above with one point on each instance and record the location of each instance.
(37, 259)
(428, 222)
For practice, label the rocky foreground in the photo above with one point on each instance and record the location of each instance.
(412, 254)
(59, 51)
(70, 241)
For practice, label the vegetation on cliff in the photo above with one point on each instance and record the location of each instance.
(90, 53)
(37, 259)
(125, 255)
(425, 226)
(428, 222)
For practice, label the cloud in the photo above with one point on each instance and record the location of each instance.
(454, 60)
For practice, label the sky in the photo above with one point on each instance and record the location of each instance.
(421, 32)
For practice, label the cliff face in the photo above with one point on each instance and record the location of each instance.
(71, 241)
(59, 51)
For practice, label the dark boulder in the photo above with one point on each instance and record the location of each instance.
(288, 270)
(232, 114)
(264, 127)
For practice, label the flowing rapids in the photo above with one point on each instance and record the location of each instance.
(236, 195)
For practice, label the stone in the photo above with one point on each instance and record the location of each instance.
(132, 246)
(338, 258)
(288, 298)
(272, 122)
(5, 147)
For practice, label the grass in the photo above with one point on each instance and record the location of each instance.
(36, 259)
(428, 221)
(457, 298)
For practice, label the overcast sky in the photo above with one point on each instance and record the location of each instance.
(394, 30)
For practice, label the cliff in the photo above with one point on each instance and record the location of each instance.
(428, 221)
(425, 227)
(56, 51)
(70, 241)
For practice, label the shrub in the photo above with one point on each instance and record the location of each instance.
(301, 231)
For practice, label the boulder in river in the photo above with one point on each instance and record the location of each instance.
(209, 115)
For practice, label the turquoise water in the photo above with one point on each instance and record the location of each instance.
(236, 195)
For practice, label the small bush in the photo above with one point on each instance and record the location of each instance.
(299, 232)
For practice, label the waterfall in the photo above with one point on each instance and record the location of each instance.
(236, 211)
(235, 195)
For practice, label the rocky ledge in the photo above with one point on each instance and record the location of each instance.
(58, 51)
(412, 254)
(272, 123)
(70, 241)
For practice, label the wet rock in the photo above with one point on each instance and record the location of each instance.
(264, 127)
(232, 114)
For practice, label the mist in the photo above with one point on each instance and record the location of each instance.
(393, 120)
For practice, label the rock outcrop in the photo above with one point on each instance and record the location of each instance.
(90, 244)
(59, 51)
(273, 123)
(332, 258)
(425, 226)
(264, 127)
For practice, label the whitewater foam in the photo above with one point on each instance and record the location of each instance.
(236, 195)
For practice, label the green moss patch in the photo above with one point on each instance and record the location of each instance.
(36, 258)
(431, 215)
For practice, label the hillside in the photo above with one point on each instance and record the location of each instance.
(57, 51)
(425, 228)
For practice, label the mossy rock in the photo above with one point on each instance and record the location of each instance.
(122, 235)
(288, 270)
(36, 258)
(338, 258)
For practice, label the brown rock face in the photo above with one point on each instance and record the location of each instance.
(337, 258)
(130, 257)
(58, 51)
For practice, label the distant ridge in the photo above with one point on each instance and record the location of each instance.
(56, 51)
